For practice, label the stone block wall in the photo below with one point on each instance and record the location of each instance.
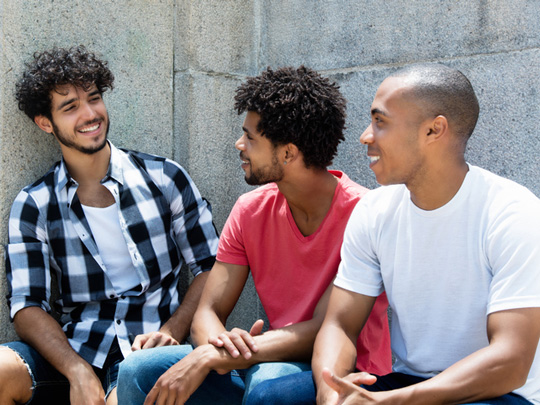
(178, 62)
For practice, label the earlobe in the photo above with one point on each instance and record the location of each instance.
(43, 123)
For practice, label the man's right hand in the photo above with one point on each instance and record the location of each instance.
(239, 341)
(85, 387)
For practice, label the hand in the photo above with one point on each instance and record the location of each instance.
(180, 381)
(239, 341)
(85, 388)
(346, 390)
(153, 339)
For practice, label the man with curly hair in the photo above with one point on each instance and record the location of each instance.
(288, 234)
(113, 227)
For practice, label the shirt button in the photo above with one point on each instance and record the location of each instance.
(118, 321)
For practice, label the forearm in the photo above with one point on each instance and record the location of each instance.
(341, 362)
(44, 334)
(292, 343)
(488, 373)
(178, 326)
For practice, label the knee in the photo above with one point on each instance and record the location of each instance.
(16, 381)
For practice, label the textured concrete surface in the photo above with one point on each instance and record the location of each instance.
(135, 36)
(178, 62)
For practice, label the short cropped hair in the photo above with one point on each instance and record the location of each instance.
(441, 90)
(297, 106)
(56, 67)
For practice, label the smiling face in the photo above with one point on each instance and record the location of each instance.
(79, 119)
(259, 156)
(394, 136)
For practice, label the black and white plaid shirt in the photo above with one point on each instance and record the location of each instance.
(164, 221)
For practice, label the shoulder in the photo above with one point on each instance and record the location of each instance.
(501, 194)
(348, 189)
(42, 189)
(163, 171)
(259, 199)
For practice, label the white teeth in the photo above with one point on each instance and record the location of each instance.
(90, 129)
(374, 158)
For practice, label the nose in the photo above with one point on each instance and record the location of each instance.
(240, 143)
(367, 136)
(88, 112)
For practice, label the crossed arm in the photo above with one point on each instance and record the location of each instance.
(495, 370)
(221, 350)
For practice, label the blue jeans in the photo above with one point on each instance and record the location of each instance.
(141, 369)
(299, 389)
(49, 386)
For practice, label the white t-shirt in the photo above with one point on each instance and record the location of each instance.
(112, 247)
(445, 270)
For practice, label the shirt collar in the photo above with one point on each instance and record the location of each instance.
(114, 171)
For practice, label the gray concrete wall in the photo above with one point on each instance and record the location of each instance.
(177, 63)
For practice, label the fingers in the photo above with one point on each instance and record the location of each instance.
(332, 380)
(153, 339)
(361, 378)
(257, 327)
(237, 342)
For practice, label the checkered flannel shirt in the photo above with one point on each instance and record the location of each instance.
(164, 221)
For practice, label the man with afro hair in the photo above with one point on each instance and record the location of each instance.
(113, 227)
(288, 234)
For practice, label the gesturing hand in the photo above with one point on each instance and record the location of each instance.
(347, 388)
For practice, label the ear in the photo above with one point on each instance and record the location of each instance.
(437, 129)
(44, 123)
(290, 153)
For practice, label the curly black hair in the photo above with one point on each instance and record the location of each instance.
(297, 106)
(56, 67)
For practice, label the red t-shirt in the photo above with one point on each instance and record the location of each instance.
(291, 271)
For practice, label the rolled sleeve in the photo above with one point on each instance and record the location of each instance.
(194, 230)
(27, 257)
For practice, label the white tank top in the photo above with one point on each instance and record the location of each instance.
(112, 247)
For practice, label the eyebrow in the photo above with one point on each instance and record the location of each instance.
(71, 100)
(378, 111)
(66, 102)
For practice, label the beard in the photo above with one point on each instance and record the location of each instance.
(265, 175)
(64, 139)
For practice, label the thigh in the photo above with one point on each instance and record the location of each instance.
(140, 370)
(293, 389)
(47, 382)
(268, 371)
(508, 399)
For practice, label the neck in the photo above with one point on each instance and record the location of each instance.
(439, 186)
(309, 196)
(85, 168)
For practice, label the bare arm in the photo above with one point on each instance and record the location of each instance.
(340, 329)
(42, 332)
(495, 370)
(224, 285)
(294, 342)
(176, 329)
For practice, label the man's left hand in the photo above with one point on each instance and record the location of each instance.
(153, 339)
(179, 382)
(348, 389)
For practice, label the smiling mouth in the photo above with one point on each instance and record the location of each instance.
(90, 128)
(373, 159)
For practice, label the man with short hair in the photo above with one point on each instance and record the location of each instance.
(455, 247)
(113, 227)
(288, 234)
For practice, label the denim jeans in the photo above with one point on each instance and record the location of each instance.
(49, 386)
(299, 389)
(141, 369)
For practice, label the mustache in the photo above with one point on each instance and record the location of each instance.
(94, 121)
